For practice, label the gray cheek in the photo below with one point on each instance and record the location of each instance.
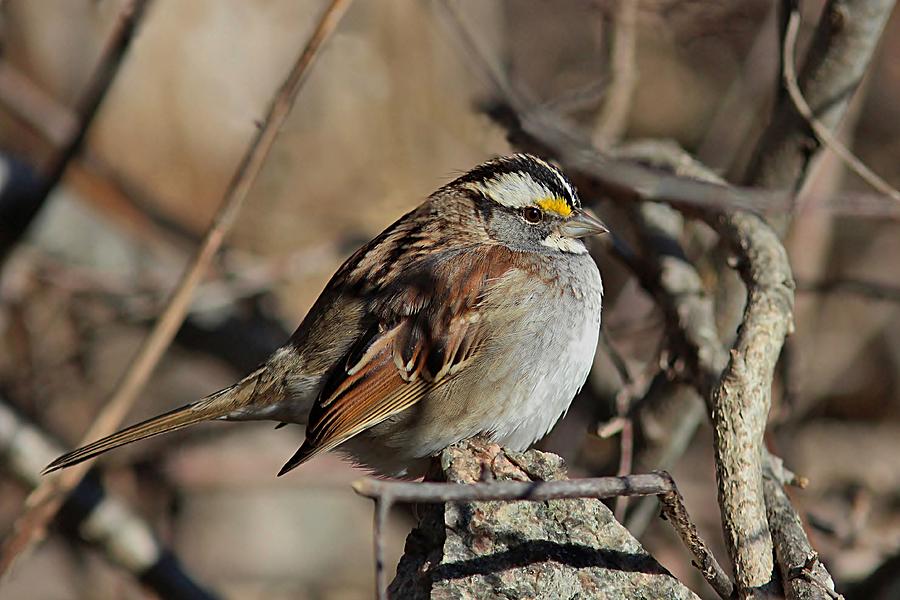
(510, 230)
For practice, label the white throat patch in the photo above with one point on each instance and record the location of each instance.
(564, 244)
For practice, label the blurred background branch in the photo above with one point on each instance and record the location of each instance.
(43, 503)
(91, 515)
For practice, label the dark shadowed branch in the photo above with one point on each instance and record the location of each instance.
(92, 515)
(14, 225)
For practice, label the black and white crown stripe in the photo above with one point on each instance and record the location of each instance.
(515, 181)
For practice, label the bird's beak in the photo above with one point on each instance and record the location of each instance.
(582, 224)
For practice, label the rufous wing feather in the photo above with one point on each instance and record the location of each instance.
(392, 367)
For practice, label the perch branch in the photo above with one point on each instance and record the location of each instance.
(45, 500)
(386, 493)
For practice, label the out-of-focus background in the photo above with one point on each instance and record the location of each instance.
(390, 113)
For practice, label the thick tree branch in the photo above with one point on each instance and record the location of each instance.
(742, 398)
(690, 320)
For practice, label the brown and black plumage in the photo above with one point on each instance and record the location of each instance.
(475, 314)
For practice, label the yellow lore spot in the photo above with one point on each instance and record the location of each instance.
(555, 205)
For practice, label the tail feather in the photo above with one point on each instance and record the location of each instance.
(170, 421)
(218, 405)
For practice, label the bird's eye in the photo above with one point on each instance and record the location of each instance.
(532, 215)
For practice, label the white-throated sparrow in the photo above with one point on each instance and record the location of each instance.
(475, 314)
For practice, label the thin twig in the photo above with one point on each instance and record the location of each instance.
(655, 484)
(434, 492)
(674, 509)
(43, 503)
(824, 134)
(626, 459)
(382, 510)
(623, 422)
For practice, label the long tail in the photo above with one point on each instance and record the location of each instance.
(220, 404)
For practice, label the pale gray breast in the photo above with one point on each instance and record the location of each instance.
(544, 335)
(554, 359)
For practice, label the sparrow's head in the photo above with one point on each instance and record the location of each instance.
(527, 204)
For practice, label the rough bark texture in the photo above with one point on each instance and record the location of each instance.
(793, 550)
(554, 550)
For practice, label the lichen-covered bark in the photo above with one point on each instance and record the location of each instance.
(542, 550)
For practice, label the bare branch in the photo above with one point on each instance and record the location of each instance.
(822, 132)
(434, 492)
(739, 402)
(842, 48)
(742, 399)
(792, 548)
(43, 503)
(613, 118)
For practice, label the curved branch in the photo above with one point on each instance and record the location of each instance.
(841, 50)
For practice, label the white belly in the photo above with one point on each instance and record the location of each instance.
(546, 381)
